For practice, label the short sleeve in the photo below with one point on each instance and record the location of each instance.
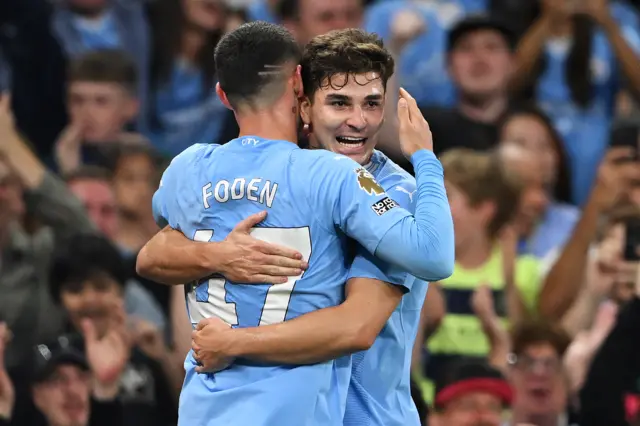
(355, 201)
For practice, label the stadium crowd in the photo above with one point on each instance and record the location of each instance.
(532, 106)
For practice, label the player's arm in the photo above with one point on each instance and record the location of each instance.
(173, 259)
(314, 337)
(373, 292)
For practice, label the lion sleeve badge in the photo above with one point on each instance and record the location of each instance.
(367, 182)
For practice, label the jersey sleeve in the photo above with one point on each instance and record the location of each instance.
(366, 265)
(350, 198)
(175, 197)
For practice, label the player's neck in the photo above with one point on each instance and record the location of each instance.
(278, 122)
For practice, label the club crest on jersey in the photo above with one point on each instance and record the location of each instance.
(367, 182)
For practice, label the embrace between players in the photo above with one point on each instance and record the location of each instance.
(345, 239)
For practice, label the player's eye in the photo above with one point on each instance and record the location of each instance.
(373, 104)
(339, 104)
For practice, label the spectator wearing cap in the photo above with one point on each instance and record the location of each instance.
(572, 60)
(537, 375)
(67, 388)
(87, 279)
(480, 62)
(422, 62)
(471, 393)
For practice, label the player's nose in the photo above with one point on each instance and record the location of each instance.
(357, 120)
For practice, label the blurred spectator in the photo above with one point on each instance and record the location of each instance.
(543, 226)
(36, 71)
(482, 202)
(611, 393)
(101, 102)
(309, 18)
(184, 106)
(92, 186)
(68, 388)
(135, 177)
(25, 304)
(84, 25)
(87, 279)
(480, 63)
(569, 273)
(572, 59)
(537, 375)
(471, 393)
(422, 64)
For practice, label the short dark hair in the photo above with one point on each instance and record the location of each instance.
(82, 257)
(538, 331)
(88, 173)
(105, 66)
(250, 62)
(350, 51)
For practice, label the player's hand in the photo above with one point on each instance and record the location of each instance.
(414, 130)
(209, 342)
(250, 260)
(7, 392)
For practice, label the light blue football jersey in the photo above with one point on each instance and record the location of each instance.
(380, 392)
(314, 199)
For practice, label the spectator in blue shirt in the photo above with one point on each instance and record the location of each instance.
(572, 59)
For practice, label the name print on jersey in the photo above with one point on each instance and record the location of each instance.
(256, 189)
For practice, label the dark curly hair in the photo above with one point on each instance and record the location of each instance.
(351, 51)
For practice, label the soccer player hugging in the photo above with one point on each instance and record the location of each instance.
(280, 352)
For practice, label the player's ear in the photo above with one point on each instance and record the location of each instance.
(223, 97)
(305, 110)
(297, 82)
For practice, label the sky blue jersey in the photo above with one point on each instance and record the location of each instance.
(379, 393)
(314, 199)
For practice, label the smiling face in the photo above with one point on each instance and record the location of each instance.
(346, 114)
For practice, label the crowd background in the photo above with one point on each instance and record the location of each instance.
(532, 105)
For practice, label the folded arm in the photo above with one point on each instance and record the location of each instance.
(320, 335)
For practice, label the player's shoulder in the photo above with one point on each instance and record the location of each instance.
(396, 181)
(194, 154)
(326, 161)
